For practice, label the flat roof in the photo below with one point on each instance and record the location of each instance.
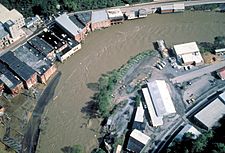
(8, 78)
(20, 68)
(139, 116)
(188, 129)
(114, 13)
(222, 96)
(156, 121)
(220, 50)
(211, 113)
(178, 6)
(84, 17)
(33, 58)
(161, 99)
(186, 48)
(67, 24)
(76, 21)
(197, 58)
(6, 14)
(167, 7)
(98, 16)
(139, 136)
(41, 45)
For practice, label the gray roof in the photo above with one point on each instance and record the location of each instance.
(67, 24)
(98, 16)
(3, 33)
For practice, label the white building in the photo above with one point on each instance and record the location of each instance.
(187, 129)
(210, 115)
(137, 141)
(188, 53)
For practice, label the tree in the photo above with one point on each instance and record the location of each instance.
(218, 148)
(73, 149)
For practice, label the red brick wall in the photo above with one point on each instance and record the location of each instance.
(99, 25)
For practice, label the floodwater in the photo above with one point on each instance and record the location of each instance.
(104, 51)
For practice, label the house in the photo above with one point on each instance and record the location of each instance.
(69, 25)
(115, 16)
(220, 52)
(142, 13)
(32, 21)
(221, 73)
(210, 114)
(37, 61)
(99, 20)
(188, 53)
(137, 141)
(11, 83)
(43, 47)
(166, 8)
(20, 69)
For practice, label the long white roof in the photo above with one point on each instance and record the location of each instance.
(139, 116)
(156, 121)
(186, 48)
(66, 23)
(161, 98)
(211, 113)
(139, 136)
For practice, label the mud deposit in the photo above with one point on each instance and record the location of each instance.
(106, 50)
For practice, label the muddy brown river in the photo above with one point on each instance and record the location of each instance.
(103, 51)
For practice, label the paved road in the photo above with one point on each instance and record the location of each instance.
(198, 73)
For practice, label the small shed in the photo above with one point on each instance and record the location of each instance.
(142, 13)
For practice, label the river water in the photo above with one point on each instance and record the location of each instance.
(104, 51)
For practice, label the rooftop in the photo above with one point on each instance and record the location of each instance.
(190, 57)
(3, 33)
(66, 22)
(220, 50)
(84, 17)
(187, 129)
(178, 6)
(33, 58)
(186, 48)
(98, 16)
(161, 97)
(167, 7)
(20, 68)
(75, 20)
(141, 137)
(114, 13)
(211, 113)
(156, 121)
(41, 45)
(139, 116)
(221, 73)
(222, 97)
(7, 77)
(6, 14)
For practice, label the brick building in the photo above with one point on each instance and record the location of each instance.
(99, 20)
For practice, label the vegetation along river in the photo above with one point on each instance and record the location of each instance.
(104, 51)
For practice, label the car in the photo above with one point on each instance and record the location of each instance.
(189, 83)
(159, 66)
(164, 63)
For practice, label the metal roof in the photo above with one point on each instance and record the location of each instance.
(161, 99)
(178, 6)
(67, 24)
(186, 48)
(139, 116)
(220, 50)
(78, 23)
(156, 121)
(167, 7)
(187, 58)
(114, 13)
(23, 71)
(141, 137)
(99, 16)
(211, 113)
(84, 17)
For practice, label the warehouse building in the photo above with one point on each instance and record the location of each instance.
(188, 53)
(115, 16)
(137, 141)
(99, 20)
(210, 115)
(11, 83)
(139, 118)
(170, 8)
(33, 58)
(43, 47)
(20, 69)
(69, 25)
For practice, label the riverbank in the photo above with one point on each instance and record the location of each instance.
(104, 51)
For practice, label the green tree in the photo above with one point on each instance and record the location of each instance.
(218, 148)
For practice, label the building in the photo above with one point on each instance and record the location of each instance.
(142, 13)
(166, 8)
(222, 97)
(132, 14)
(99, 20)
(188, 53)
(115, 16)
(85, 19)
(187, 129)
(32, 21)
(69, 51)
(20, 69)
(221, 73)
(161, 98)
(1, 87)
(137, 141)
(220, 52)
(37, 61)
(12, 21)
(155, 120)
(210, 114)
(178, 7)
(11, 83)
(139, 118)
(68, 24)
(43, 47)
(53, 40)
